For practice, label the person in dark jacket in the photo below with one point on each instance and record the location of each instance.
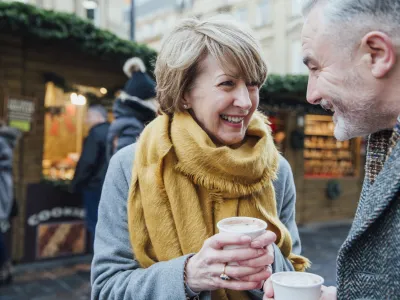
(92, 165)
(133, 109)
(8, 140)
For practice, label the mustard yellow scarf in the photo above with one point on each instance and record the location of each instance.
(182, 185)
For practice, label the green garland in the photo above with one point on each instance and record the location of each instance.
(285, 84)
(28, 20)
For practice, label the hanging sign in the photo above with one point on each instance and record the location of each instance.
(20, 113)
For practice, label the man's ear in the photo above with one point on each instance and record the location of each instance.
(380, 51)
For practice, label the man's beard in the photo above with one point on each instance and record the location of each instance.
(349, 123)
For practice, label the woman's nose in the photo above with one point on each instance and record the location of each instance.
(243, 98)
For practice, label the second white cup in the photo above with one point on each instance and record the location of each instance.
(296, 285)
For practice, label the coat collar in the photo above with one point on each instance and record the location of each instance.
(383, 176)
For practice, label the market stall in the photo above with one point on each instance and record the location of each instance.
(51, 66)
(327, 173)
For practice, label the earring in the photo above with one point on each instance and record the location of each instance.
(185, 106)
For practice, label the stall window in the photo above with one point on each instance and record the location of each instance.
(64, 131)
(324, 156)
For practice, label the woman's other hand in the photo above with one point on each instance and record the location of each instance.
(264, 241)
(203, 270)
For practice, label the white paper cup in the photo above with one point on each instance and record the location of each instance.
(252, 227)
(296, 285)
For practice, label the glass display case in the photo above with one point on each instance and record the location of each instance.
(324, 156)
(65, 129)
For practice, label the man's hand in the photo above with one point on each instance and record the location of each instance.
(327, 293)
(268, 290)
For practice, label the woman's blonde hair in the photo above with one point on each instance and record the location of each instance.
(230, 43)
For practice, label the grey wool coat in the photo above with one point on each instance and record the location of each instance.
(369, 260)
(116, 275)
(8, 139)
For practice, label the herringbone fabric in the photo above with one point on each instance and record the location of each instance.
(369, 260)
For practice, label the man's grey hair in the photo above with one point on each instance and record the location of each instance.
(359, 16)
(100, 110)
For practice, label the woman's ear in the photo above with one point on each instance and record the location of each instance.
(185, 101)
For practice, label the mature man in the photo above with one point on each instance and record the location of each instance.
(92, 166)
(351, 48)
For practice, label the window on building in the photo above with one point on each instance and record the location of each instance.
(170, 22)
(139, 2)
(126, 15)
(224, 9)
(296, 7)
(263, 13)
(158, 27)
(297, 65)
(92, 11)
(146, 31)
(184, 4)
(241, 14)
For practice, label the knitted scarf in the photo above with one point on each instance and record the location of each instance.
(182, 185)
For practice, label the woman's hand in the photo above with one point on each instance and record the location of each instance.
(265, 261)
(203, 270)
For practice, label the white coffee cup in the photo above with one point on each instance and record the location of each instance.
(296, 285)
(251, 227)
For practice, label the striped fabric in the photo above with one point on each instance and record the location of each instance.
(369, 260)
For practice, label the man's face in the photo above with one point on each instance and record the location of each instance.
(338, 80)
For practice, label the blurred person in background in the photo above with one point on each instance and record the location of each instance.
(8, 140)
(134, 108)
(208, 156)
(92, 165)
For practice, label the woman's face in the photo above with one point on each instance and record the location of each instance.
(221, 103)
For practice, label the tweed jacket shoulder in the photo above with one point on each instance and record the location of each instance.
(369, 260)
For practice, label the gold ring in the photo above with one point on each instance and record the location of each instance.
(223, 276)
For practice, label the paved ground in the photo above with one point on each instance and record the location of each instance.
(320, 245)
(68, 279)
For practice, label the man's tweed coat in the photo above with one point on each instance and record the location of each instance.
(369, 260)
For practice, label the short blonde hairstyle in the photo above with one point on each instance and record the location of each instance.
(230, 43)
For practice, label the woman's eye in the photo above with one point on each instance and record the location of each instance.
(227, 83)
(253, 84)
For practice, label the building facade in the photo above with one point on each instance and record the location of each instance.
(113, 15)
(277, 24)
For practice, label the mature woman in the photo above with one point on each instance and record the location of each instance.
(207, 157)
